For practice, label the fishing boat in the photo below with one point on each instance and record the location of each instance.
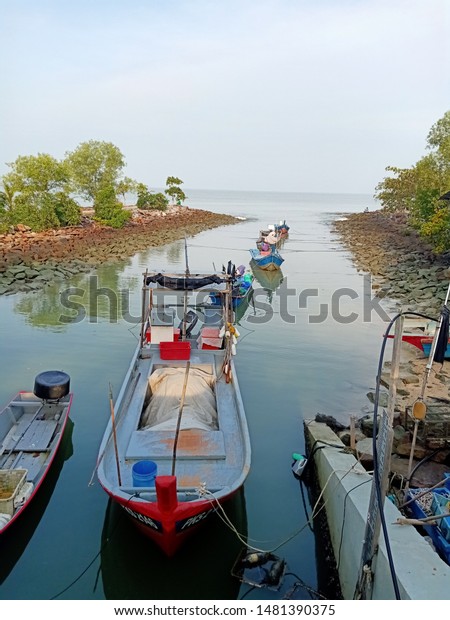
(177, 445)
(269, 260)
(31, 429)
(282, 228)
(185, 579)
(269, 280)
(419, 333)
(241, 288)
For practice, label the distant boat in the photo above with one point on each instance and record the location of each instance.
(268, 260)
(31, 429)
(282, 228)
(177, 444)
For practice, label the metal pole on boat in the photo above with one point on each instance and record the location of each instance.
(187, 273)
(180, 412)
(144, 305)
(113, 422)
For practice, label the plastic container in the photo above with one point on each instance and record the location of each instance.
(11, 481)
(210, 338)
(441, 505)
(176, 335)
(435, 533)
(144, 473)
(175, 350)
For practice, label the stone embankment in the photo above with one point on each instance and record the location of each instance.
(411, 277)
(403, 267)
(30, 260)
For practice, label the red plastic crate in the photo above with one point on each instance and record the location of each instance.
(175, 350)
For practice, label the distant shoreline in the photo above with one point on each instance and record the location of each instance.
(29, 260)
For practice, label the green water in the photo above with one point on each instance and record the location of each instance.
(71, 543)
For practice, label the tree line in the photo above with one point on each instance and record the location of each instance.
(422, 192)
(43, 192)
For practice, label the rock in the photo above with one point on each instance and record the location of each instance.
(382, 400)
(364, 452)
(330, 421)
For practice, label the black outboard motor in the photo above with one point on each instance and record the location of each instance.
(51, 385)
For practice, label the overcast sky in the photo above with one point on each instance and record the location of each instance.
(294, 95)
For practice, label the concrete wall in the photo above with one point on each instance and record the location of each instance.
(421, 574)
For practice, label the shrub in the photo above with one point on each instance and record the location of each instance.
(108, 210)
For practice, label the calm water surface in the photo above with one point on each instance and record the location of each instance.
(295, 359)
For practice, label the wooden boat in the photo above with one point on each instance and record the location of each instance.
(179, 415)
(16, 540)
(31, 429)
(426, 344)
(269, 280)
(208, 577)
(270, 260)
(282, 228)
(419, 333)
(241, 289)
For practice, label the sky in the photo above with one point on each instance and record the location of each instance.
(270, 95)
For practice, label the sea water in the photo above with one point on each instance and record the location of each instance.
(309, 344)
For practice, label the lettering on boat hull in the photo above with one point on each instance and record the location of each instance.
(156, 525)
(187, 523)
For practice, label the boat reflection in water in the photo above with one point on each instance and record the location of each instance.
(14, 541)
(134, 568)
(268, 280)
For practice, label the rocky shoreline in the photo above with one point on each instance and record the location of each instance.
(402, 265)
(30, 260)
(412, 278)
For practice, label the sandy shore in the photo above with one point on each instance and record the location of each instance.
(28, 259)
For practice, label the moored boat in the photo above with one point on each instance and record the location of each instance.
(177, 444)
(31, 429)
(241, 288)
(282, 228)
(419, 333)
(269, 260)
(269, 280)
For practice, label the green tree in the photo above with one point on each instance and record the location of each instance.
(35, 193)
(35, 173)
(174, 190)
(417, 190)
(94, 166)
(108, 210)
(149, 200)
(126, 186)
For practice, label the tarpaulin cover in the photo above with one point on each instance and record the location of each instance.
(183, 284)
(199, 410)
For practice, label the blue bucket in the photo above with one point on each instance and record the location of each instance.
(144, 473)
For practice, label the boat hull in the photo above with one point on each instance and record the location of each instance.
(36, 463)
(422, 343)
(267, 262)
(169, 529)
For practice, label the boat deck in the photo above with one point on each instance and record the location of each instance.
(211, 457)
